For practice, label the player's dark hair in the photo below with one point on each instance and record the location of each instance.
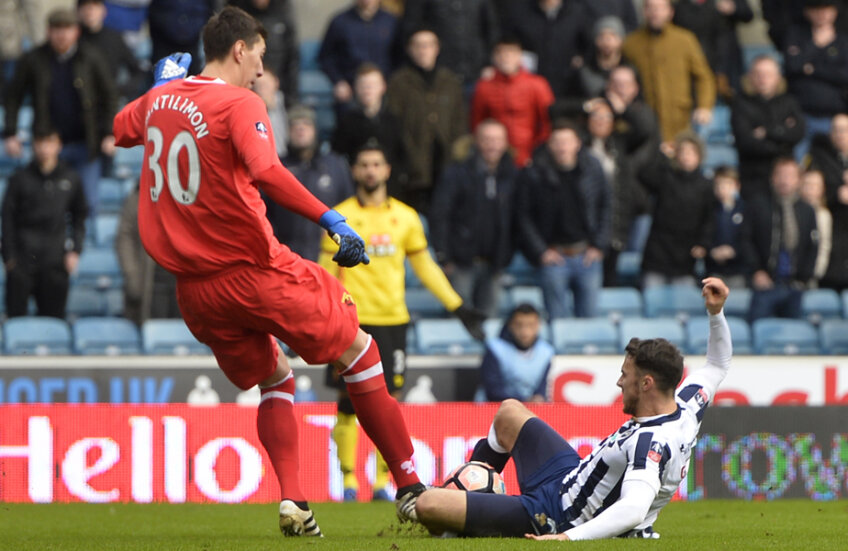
(658, 357)
(509, 40)
(422, 29)
(371, 145)
(523, 308)
(728, 172)
(565, 124)
(228, 27)
(367, 68)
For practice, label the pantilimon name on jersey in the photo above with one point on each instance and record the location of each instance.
(181, 105)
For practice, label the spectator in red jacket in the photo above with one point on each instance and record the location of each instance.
(516, 98)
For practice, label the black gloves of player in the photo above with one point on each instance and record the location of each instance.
(473, 320)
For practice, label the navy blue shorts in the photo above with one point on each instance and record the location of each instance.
(542, 459)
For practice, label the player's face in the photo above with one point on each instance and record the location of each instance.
(302, 134)
(525, 329)
(62, 39)
(507, 58)
(601, 121)
(252, 63)
(424, 49)
(623, 82)
(491, 142)
(786, 179)
(628, 382)
(657, 13)
(765, 77)
(371, 170)
(46, 149)
(370, 88)
(688, 156)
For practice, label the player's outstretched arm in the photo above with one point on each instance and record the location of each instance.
(719, 345)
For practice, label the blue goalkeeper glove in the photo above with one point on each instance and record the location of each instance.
(351, 246)
(171, 68)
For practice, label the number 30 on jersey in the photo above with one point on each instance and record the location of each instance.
(184, 140)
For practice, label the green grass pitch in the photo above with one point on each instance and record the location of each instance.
(709, 525)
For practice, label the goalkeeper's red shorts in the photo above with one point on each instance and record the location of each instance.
(238, 313)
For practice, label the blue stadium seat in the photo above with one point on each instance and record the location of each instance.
(170, 336)
(105, 229)
(106, 336)
(834, 337)
(127, 162)
(785, 336)
(85, 302)
(697, 333)
(718, 131)
(628, 267)
(99, 268)
(422, 304)
(520, 272)
(585, 336)
(309, 55)
(720, 155)
(751, 52)
(821, 304)
(114, 302)
(681, 301)
(492, 328)
(738, 303)
(620, 302)
(652, 328)
(528, 294)
(39, 336)
(445, 336)
(845, 303)
(111, 193)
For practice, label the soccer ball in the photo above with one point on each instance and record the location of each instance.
(475, 476)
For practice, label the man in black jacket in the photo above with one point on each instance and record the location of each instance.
(471, 218)
(43, 201)
(564, 221)
(780, 245)
(72, 91)
(829, 154)
(767, 124)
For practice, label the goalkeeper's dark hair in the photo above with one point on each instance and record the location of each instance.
(659, 358)
(371, 145)
(227, 27)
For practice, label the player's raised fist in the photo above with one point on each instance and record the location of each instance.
(170, 68)
(351, 246)
(715, 293)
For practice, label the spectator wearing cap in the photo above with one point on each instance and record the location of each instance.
(43, 216)
(604, 57)
(714, 24)
(682, 224)
(670, 61)
(72, 90)
(427, 100)
(362, 33)
(326, 175)
(111, 45)
(767, 123)
(554, 34)
(815, 59)
(518, 99)
(468, 31)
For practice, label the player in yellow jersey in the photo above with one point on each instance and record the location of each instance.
(393, 232)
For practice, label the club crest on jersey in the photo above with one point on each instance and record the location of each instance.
(656, 452)
(347, 298)
(261, 129)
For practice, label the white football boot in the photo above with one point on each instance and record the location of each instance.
(294, 521)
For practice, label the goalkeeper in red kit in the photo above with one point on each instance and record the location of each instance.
(208, 151)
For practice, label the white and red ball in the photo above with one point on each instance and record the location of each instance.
(475, 476)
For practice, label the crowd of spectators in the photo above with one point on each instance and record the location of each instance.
(548, 128)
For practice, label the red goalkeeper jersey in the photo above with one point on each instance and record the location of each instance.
(206, 143)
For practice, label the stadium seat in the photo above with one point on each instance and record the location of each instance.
(751, 52)
(585, 336)
(422, 304)
(114, 302)
(520, 272)
(834, 337)
(628, 267)
(665, 301)
(309, 55)
(651, 328)
(528, 294)
(720, 155)
(492, 328)
(785, 336)
(111, 193)
(106, 336)
(39, 336)
(85, 302)
(821, 304)
(445, 336)
(697, 333)
(718, 131)
(738, 303)
(620, 302)
(170, 336)
(99, 268)
(127, 162)
(845, 303)
(105, 229)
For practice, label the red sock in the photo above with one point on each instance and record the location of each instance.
(379, 414)
(277, 430)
